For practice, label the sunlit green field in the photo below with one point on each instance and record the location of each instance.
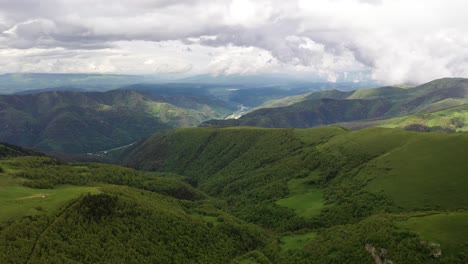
(455, 118)
(17, 201)
(305, 199)
(416, 179)
(450, 230)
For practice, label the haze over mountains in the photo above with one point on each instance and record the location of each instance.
(40, 82)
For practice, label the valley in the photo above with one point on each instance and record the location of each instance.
(237, 194)
(260, 195)
(233, 132)
(426, 107)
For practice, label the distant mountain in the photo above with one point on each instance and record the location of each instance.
(271, 79)
(274, 79)
(285, 82)
(73, 119)
(53, 89)
(77, 122)
(310, 113)
(20, 82)
(249, 95)
(32, 82)
(329, 107)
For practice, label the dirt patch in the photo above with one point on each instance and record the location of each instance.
(38, 195)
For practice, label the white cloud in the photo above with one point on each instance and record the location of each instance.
(242, 61)
(398, 41)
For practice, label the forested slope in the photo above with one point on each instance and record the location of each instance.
(330, 107)
(357, 186)
(80, 122)
(94, 213)
(244, 195)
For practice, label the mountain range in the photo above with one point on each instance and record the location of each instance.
(333, 106)
(81, 118)
(188, 194)
(80, 122)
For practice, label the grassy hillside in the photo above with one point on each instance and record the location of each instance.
(443, 228)
(80, 122)
(89, 213)
(351, 188)
(453, 119)
(244, 195)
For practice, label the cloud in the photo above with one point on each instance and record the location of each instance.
(397, 41)
(243, 61)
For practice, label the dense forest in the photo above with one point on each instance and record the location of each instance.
(243, 195)
(345, 189)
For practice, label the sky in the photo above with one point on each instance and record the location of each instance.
(388, 41)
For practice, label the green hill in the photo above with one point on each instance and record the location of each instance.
(80, 122)
(8, 150)
(94, 213)
(452, 119)
(343, 189)
(310, 113)
(330, 107)
(244, 195)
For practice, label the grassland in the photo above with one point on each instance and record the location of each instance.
(18, 201)
(337, 183)
(304, 198)
(428, 171)
(455, 119)
(95, 212)
(296, 242)
(450, 119)
(450, 230)
(259, 195)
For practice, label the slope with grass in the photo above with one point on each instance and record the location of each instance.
(54, 212)
(446, 229)
(245, 195)
(343, 185)
(303, 197)
(452, 119)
